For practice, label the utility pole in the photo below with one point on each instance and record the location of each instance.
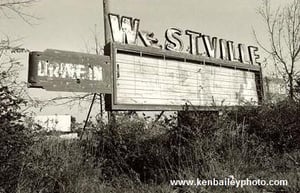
(106, 21)
(107, 39)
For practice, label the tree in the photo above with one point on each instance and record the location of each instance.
(15, 137)
(283, 32)
(9, 66)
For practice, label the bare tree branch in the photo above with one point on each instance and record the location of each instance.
(283, 32)
(10, 66)
(18, 7)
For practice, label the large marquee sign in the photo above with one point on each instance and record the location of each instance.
(164, 77)
(57, 70)
(138, 72)
(152, 79)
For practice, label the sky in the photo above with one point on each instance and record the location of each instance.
(69, 25)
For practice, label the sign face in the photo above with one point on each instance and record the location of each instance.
(154, 79)
(275, 89)
(57, 70)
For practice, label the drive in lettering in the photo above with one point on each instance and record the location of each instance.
(70, 71)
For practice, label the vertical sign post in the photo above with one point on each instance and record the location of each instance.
(107, 37)
(106, 21)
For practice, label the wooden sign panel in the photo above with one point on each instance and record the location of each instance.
(153, 79)
(56, 70)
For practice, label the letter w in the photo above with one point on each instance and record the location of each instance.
(124, 31)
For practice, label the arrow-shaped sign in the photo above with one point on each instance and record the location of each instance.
(57, 70)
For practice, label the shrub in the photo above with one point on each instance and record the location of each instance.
(213, 147)
(115, 143)
(14, 139)
(277, 124)
(129, 155)
(55, 165)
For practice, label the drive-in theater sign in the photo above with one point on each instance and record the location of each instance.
(139, 73)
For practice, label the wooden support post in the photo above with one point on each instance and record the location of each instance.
(106, 21)
(107, 38)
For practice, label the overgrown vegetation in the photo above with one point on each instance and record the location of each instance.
(15, 139)
(135, 154)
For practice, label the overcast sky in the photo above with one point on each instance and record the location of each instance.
(69, 24)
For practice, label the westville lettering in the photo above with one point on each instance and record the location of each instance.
(126, 30)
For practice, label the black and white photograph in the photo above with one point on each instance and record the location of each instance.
(140, 96)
